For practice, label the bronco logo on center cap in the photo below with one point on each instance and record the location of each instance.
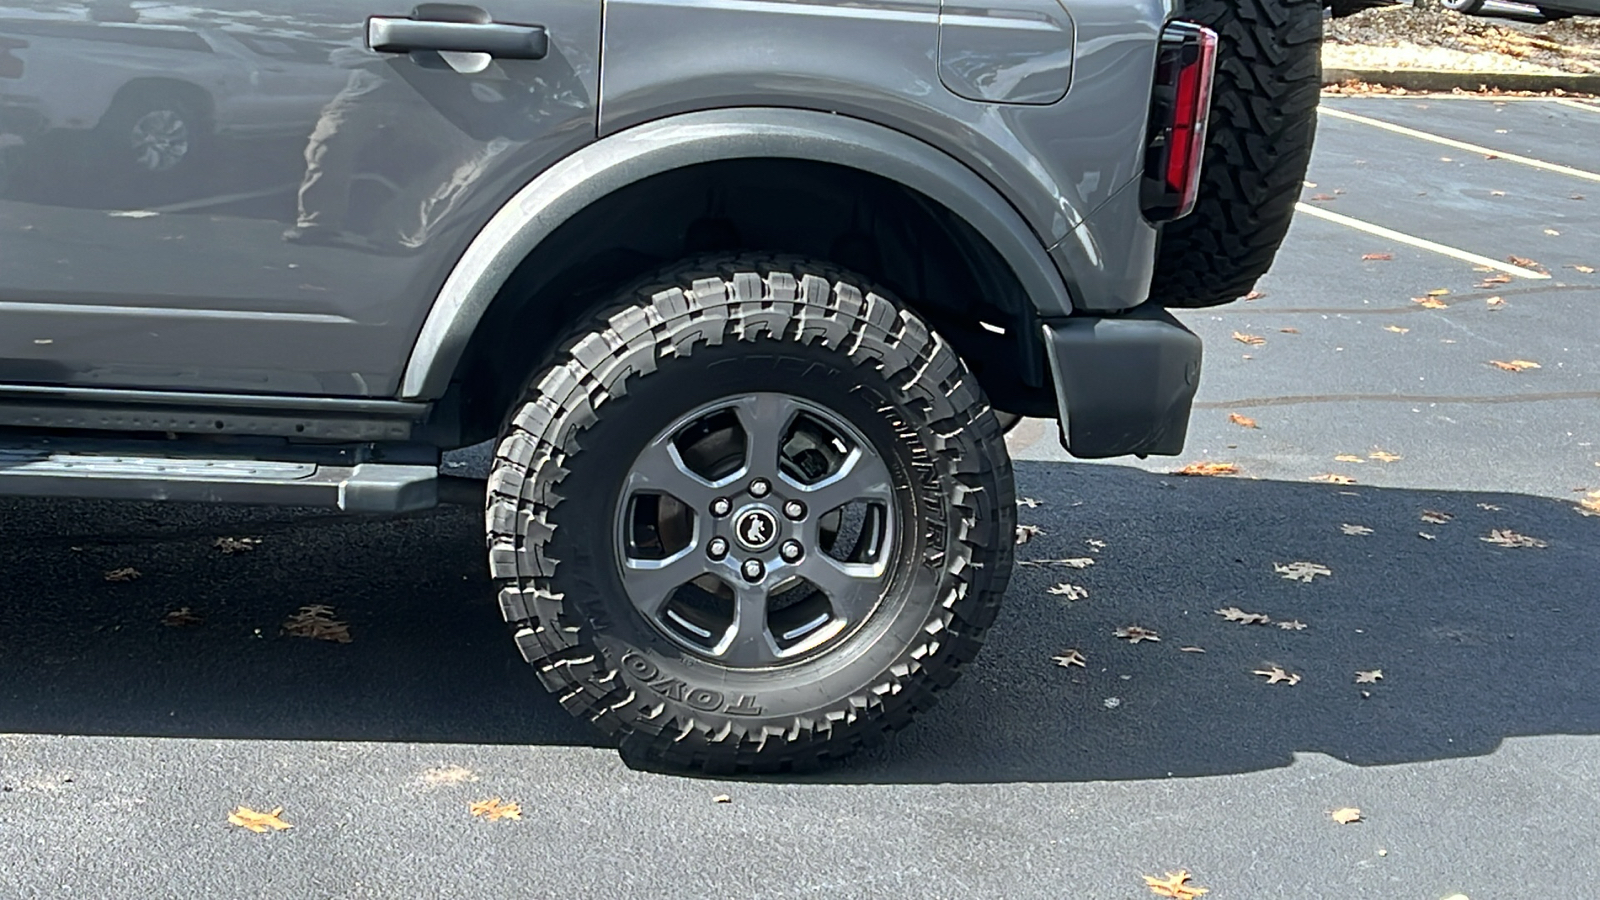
(756, 528)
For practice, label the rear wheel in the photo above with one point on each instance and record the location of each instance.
(754, 518)
(1258, 145)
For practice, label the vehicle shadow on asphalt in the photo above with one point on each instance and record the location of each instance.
(1477, 642)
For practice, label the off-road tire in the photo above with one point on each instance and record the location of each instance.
(1258, 145)
(783, 324)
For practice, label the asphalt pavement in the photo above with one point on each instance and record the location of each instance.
(1475, 759)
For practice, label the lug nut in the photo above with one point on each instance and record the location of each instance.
(791, 551)
(721, 507)
(760, 488)
(717, 548)
(795, 510)
(753, 570)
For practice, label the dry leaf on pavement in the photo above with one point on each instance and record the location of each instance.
(1377, 256)
(1590, 504)
(1372, 676)
(1505, 537)
(1333, 478)
(1516, 365)
(722, 798)
(1493, 280)
(448, 775)
(1523, 261)
(1208, 468)
(1439, 292)
(1026, 533)
(1276, 675)
(1133, 634)
(1396, 329)
(1254, 295)
(1587, 270)
(494, 810)
(1430, 303)
(1301, 571)
(1435, 517)
(1346, 816)
(1347, 528)
(1029, 502)
(317, 622)
(126, 573)
(1321, 198)
(1289, 330)
(259, 822)
(1496, 302)
(1235, 614)
(1292, 625)
(1070, 591)
(232, 545)
(1193, 649)
(1077, 562)
(1242, 421)
(1254, 340)
(1069, 658)
(1348, 457)
(1175, 885)
(182, 617)
(1384, 456)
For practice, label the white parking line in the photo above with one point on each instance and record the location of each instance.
(1423, 243)
(1575, 104)
(1461, 145)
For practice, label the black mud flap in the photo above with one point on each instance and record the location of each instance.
(1124, 384)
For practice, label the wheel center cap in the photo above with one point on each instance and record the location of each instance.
(756, 528)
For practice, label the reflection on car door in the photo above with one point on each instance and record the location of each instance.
(244, 197)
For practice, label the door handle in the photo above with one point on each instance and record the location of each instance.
(387, 34)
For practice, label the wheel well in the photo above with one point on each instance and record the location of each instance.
(165, 87)
(895, 237)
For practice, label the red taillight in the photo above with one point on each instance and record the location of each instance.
(1180, 105)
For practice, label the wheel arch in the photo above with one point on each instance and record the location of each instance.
(492, 278)
(162, 86)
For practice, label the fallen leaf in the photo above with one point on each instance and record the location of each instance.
(126, 573)
(1347, 815)
(1292, 625)
(1347, 528)
(1070, 658)
(1289, 330)
(1347, 457)
(1095, 544)
(448, 775)
(1193, 649)
(1176, 884)
(1516, 365)
(1590, 504)
(1496, 302)
(1301, 571)
(1242, 421)
(722, 798)
(1333, 478)
(1523, 261)
(1276, 675)
(1552, 232)
(494, 810)
(1497, 193)
(1430, 303)
(1489, 506)
(1208, 468)
(1492, 280)
(1439, 292)
(1029, 502)
(317, 622)
(1133, 634)
(1254, 340)
(1505, 537)
(182, 617)
(1077, 562)
(1587, 270)
(1384, 456)
(1235, 614)
(1321, 197)
(1435, 517)
(1396, 329)
(1070, 591)
(1254, 295)
(1378, 256)
(1026, 533)
(1426, 536)
(259, 822)
(1372, 676)
(231, 545)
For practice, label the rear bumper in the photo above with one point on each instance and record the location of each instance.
(1124, 384)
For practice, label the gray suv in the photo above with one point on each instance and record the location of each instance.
(746, 293)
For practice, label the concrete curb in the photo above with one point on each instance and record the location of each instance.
(1433, 80)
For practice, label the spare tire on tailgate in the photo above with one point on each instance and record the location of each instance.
(1258, 144)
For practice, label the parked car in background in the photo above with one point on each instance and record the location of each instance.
(1550, 9)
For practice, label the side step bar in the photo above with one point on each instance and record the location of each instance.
(46, 471)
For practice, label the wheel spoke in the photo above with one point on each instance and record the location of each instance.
(660, 469)
(649, 582)
(862, 476)
(765, 419)
(749, 642)
(853, 589)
